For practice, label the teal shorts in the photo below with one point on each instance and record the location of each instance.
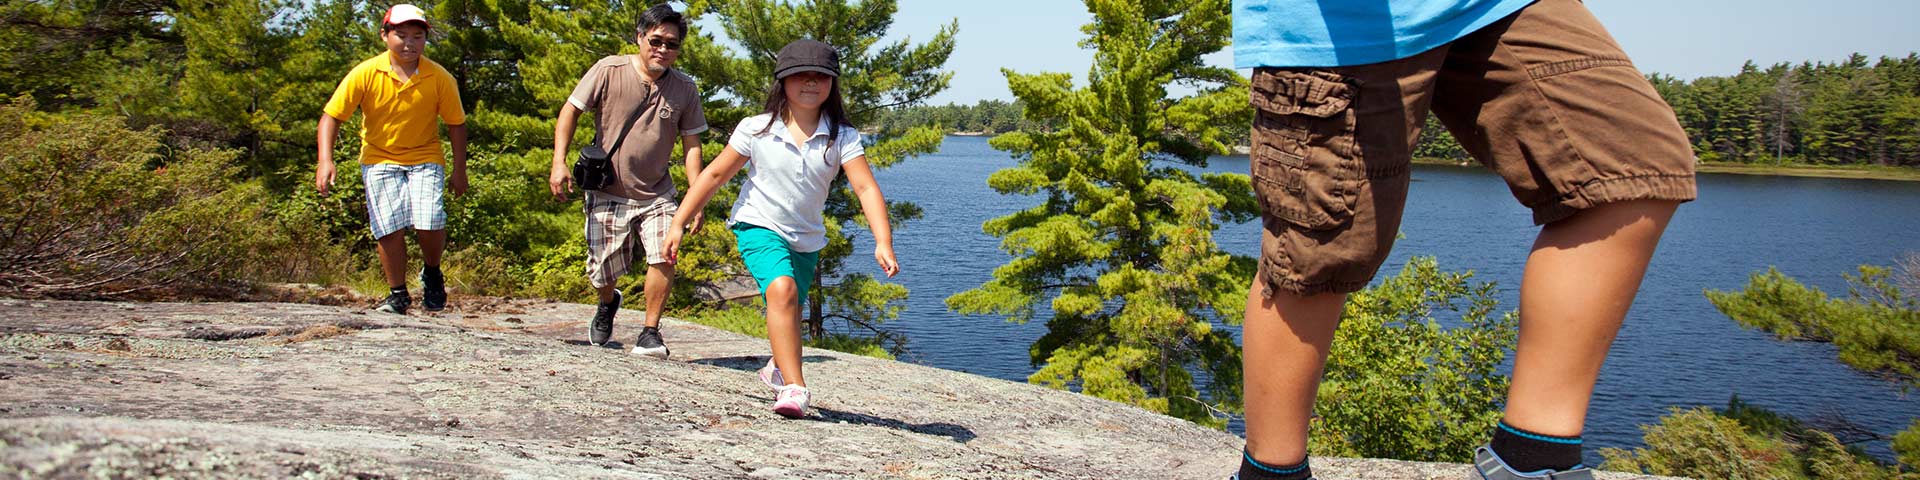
(768, 257)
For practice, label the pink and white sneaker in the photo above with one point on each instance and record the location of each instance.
(770, 375)
(792, 401)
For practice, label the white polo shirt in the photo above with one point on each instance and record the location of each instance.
(786, 189)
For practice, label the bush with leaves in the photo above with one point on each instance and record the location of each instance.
(1697, 443)
(96, 209)
(1745, 441)
(1399, 384)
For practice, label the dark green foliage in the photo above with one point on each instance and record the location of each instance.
(1846, 113)
(1437, 143)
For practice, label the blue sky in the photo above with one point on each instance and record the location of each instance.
(1684, 38)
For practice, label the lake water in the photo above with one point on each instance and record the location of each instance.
(1675, 350)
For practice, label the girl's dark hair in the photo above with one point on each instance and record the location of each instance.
(661, 14)
(835, 110)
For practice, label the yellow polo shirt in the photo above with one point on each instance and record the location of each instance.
(400, 128)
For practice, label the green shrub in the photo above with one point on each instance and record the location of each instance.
(1744, 441)
(1698, 443)
(561, 273)
(96, 209)
(1399, 385)
(481, 270)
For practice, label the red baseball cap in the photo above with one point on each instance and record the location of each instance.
(404, 13)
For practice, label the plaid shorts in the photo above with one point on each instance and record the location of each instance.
(611, 235)
(401, 196)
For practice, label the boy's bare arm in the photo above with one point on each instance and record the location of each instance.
(458, 178)
(323, 175)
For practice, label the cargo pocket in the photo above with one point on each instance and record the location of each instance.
(1307, 168)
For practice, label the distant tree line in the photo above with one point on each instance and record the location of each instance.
(1846, 113)
(988, 117)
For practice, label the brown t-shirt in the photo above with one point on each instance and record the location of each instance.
(617, 88)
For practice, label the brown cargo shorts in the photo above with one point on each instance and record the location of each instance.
(1545, 98)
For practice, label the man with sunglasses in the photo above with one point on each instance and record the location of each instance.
(640, 106)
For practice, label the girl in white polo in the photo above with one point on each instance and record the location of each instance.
(797, 147)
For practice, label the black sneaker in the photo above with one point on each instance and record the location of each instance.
(396, 303)
(650, 343)
(434, 294)
(602, 328)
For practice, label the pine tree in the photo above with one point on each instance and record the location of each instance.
(1123, 241)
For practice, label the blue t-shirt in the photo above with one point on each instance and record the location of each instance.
(1339, 33)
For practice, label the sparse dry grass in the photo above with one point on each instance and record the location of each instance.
(318, 332)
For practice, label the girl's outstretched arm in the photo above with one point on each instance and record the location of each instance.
(860, 176)
(699, 191)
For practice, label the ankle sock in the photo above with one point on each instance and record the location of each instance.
(400, 290)
(430, 274)
(1526, 451)
(1251, 469)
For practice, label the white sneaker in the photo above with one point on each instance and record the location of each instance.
(770, 375)
(792, 402)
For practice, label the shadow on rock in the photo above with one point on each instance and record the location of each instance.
(957, 433)
(752, 363)
(611, 344)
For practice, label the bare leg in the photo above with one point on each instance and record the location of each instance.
(1580, 279)
(606, 293)
(432, 243)
(393, 258)
(1287, 338)
(783, 328)
(659, 285)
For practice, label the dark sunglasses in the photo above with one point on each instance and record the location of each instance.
(656, 42)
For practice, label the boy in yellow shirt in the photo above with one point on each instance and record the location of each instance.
(401, 93)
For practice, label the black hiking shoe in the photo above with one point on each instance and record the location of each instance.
(602, 328)
(650, 344)
(396, 303)
(434, 294)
